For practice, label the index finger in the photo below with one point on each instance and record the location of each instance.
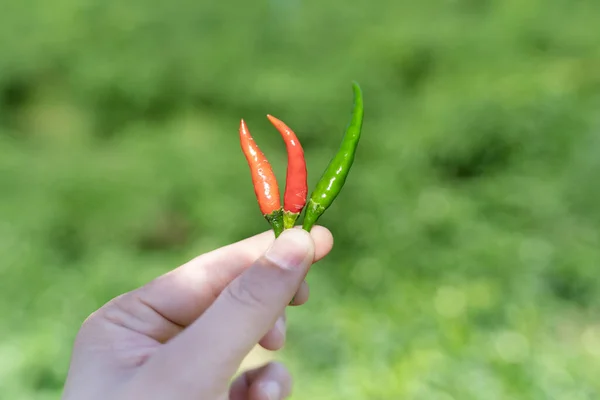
(183, 294)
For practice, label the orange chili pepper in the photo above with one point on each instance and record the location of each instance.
(294, 198)
(265, 184)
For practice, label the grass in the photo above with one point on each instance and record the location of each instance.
(467, 242)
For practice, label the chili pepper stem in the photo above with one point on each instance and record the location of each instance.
(289, 219)
(276, 220)
(311, 216)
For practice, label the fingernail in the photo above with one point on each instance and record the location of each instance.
(290, 250)
(271, 390)
(280, 326)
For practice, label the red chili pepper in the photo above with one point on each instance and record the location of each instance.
(296, 184)
(263, 179)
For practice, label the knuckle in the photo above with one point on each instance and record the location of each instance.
(117, 311)
(94, 327)
(93, 319)
(88, 325)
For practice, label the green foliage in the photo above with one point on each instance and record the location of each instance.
(467, 241)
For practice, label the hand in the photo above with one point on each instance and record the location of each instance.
(184, 335)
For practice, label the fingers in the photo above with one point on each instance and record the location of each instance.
(301, 296)
(237, 320)
(133, 313)
(270, 382)
(252, 248)
(275, 338)
(183, 294)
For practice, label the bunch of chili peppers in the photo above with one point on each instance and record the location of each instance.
(328, 187)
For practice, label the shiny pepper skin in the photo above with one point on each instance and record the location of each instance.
(334, 177)
(294, 198)
(265, 184)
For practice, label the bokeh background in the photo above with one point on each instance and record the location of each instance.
(467, 247)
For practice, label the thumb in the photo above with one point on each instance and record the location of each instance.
(217, 342)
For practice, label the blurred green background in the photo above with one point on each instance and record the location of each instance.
(467, 241)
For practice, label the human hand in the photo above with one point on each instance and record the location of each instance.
(183, 335)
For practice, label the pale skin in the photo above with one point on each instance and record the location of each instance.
(184, 335)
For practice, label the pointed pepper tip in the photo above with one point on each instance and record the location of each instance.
(243, 128)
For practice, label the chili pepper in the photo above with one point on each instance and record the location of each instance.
(263, 179)
(294, 197)
(334, 177)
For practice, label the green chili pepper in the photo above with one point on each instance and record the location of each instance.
(334, 177)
